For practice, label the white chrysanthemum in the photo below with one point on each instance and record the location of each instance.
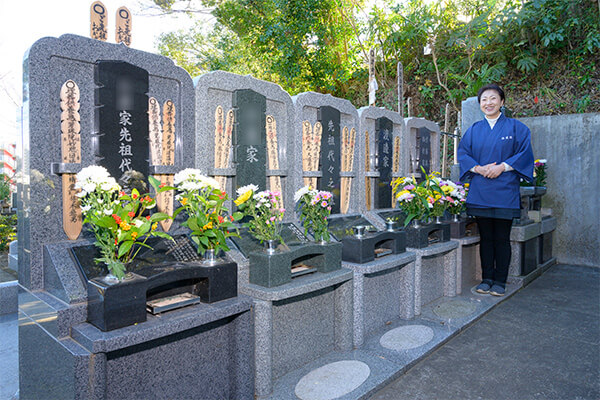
(208, 181)
(301, 192)
(85, 208)
(246, 188)
(188, 174)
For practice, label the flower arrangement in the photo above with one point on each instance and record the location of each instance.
(430, 198)
(202, 201)
(411, 197)
(263, 208)
(456, 196)
(539, 172)
(117, 219)
(314, 207)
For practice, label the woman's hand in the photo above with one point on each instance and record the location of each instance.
(493, 171)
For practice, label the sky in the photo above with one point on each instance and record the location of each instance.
(22, 22)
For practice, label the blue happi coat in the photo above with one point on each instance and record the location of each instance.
(510, 142)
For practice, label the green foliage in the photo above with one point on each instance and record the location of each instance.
(322, 45)
(8, 230)
(5, 190)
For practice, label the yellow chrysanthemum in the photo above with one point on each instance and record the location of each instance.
(183, 201)
(243, 198)
(446, 189)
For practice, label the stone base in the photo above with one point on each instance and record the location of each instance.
(435, 273)
(524, 249)
(8, 297)
(201, 349)
(468, 264)
(299, 322)
(383, 291)
(362, 250)
(521, 281)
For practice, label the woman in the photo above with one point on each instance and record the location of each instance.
(494, 153)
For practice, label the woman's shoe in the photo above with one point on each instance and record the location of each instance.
(483, 288)
(497, 290)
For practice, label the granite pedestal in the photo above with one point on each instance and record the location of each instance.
(199, 351)
(524, 248)
(468, 263)
(383, 291)
(435, 273)
(299, 322)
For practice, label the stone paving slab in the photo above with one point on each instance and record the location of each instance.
(9, 356)
(380, 371)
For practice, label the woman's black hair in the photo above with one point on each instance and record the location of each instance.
(490, 86)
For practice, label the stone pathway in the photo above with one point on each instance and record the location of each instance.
(543, 343)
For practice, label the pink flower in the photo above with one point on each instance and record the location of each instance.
(272, 219)
(409, 187)
(328, 208)
(324, 204)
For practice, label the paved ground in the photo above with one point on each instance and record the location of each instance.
(542, 343)
(9, 356)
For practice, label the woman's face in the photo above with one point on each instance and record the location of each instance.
(490, 103)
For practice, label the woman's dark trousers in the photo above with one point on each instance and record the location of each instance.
(494, 249)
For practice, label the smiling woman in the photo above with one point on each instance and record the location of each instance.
(495, 153)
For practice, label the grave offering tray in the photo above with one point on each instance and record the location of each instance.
(168, 276)
(288, 262)
(362, 243)
(418, 237)
(463, 227)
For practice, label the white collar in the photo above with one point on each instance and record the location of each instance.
(492, 121)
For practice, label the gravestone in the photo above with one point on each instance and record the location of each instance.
(246, 124)
(249, 138)
(121, 117)
(470, 113)
(330, 154)
(423, 142)
(81, 360)
(335, 153)
(385, 130)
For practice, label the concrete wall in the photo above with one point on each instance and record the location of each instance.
(571, 144)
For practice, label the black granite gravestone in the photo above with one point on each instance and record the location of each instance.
(249, 138)
(330, 154)
(424, 146)
(384, 129)
(341, 227)
(121, 141)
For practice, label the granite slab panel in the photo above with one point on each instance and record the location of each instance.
(525, 232)
(9, 297)
(301, 285)
(548, 224)
(159, 326)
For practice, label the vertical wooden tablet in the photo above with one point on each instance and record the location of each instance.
(98, 21)
(349, 167)
(273, 155)
(168, 158)
(226, 147)
(316, 150)
(344, 167)
(367, 169)
(155, 131)
(123, 26)
(219, 136)
(306, 150)
(70, 153)
(396, 157)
